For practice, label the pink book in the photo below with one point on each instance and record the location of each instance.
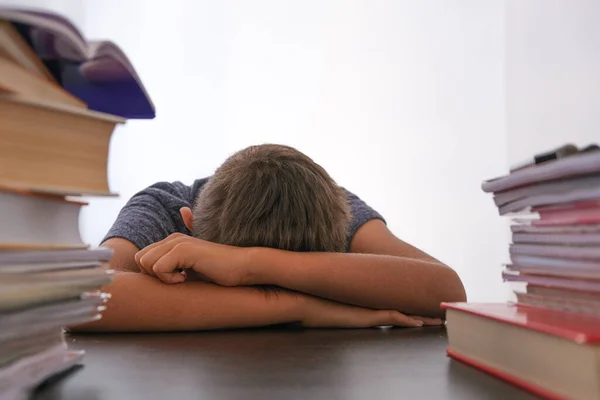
(549, 271)
(526, 227)
(554, 282)
(578, 213)
(578, 205)
(568, 252)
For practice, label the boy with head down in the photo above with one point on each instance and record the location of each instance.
(269, 239)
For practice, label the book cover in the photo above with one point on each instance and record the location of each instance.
(554, 281)
(576, 165)
(515, 380)
(578, 328)
(97, 72)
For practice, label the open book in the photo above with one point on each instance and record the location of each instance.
(97, 72)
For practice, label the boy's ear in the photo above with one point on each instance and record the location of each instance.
(186, 215)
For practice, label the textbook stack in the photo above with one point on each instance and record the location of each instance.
(60, 100)
(549, 340)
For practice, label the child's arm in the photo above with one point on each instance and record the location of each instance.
(382, 272)
(389, 274)
(142, 303)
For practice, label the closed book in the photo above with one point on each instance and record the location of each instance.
(576, 239)
(18, 379)
(14, 79)
(564, 302)
(27, 344)
(37, 221)
(16, 49)
(573, 166)
(577, 213)
(559, 208)
(21, 295)
(547, 291)
(587, 229)
(92, 314)
(558, 251)
(553, 281)
(54, 148)
(581, 194)
(546, 188)
(551, 353)
(554, 263)
(35, 278)
(571, 272)
(46, 260)
(575, 301)
(17, 322)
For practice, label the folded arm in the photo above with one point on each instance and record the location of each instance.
(381, 272)
(143, 303)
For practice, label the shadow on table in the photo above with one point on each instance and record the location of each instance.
(52, 386)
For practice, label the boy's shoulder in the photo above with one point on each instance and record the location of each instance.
(175, 189)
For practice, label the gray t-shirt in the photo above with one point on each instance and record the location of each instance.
(153, 214)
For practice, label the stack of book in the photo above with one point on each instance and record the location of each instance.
(60, 100)
(549, 340)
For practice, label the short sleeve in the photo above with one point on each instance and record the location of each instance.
(361, 213)
(152, 214)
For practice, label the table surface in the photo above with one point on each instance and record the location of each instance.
(280, 363)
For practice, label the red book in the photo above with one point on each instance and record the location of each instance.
(509, 378)
(579, 205)
(553, 354)
(583, 212)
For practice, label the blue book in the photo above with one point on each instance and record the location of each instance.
(97, 72)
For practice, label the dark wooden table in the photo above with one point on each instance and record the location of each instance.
(273, 364)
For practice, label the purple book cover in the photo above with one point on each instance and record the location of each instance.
(97, 72)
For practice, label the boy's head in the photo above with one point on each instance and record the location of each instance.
(272, 196)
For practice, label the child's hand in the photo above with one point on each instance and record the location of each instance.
(321, 313)
(221, 264)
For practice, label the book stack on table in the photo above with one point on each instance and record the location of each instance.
(61, 98)
(549, 340)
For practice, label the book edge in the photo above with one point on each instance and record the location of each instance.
(511, 379)
(62, 108)
(571, 335)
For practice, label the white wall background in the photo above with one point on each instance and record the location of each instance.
(401, 101)
(552, 81)
(410, 104)
(72, 9)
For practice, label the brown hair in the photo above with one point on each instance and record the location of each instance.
(272, 196)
